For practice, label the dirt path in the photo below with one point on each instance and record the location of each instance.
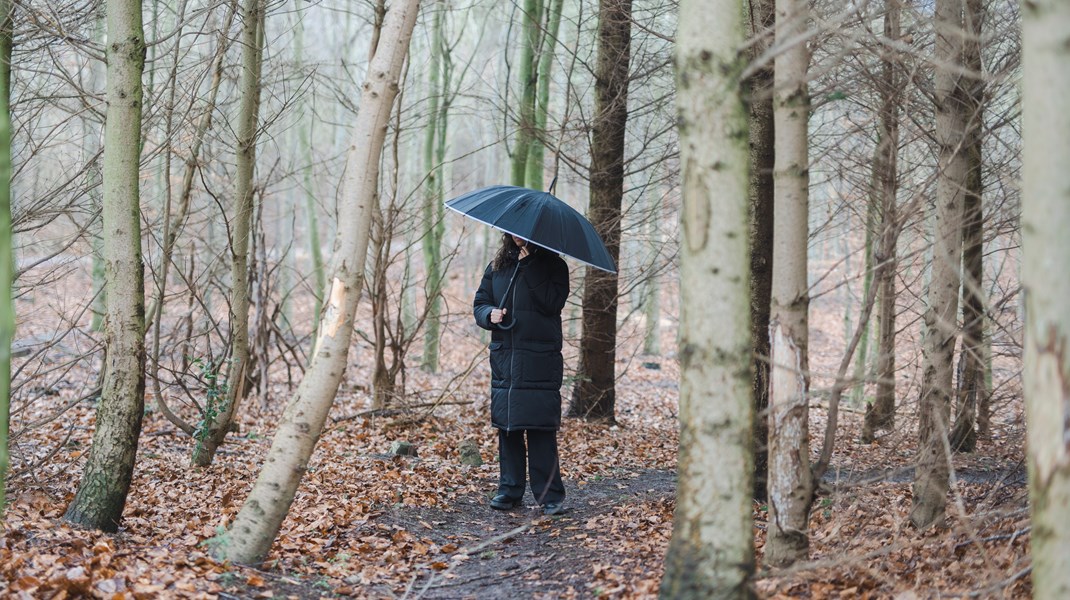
(521, 554)
(611, 539)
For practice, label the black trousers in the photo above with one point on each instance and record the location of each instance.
(543, 466)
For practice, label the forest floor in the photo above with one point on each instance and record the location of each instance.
(369, 524)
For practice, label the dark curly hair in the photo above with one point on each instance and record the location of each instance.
(509, 253)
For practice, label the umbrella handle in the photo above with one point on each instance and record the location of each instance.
(505, 296)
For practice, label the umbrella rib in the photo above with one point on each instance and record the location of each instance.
(499, 228)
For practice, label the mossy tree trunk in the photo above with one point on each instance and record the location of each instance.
(527, 74)
(106, 479)
(7, 258)
(537, 149)
(433, 224)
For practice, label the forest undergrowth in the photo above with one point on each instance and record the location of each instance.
(367, 523)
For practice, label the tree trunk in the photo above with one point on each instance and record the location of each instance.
(174, 224)
(594, 395)
(1046, 252)
(652, 291)
(93, 183)
(711, 554)
(537, 150)
(434, 227)
(7, 256)
(858, 393)
(971, 370)
(762, 157)
(931, 474)
(106, 479)
(217, 417)
(304, 142)
(528, 76)
(383, 381)
(791, 487)
(249, 537)
(881, 415)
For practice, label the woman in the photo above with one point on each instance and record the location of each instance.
(520, 301)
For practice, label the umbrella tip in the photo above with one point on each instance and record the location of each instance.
(553, 184)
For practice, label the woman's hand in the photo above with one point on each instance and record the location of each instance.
(497, 314)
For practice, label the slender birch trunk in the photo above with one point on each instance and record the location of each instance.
(217, 418)
(790, 484)
(881, 415)
(106, 479)
(1046, 252)
(971, 370)
(931, 476)
(7, 255)
(711, 554)
(434, 227)
(762, 157)
(594, 395)
(249, 537)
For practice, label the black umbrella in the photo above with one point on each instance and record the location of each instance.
(538, 217)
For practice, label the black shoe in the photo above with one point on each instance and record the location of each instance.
(503, 502)
(552, 508)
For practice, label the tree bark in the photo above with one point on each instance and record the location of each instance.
(931, 475)
(304, 133)
(790, 483)
(762, 163)
(651, 305)
(868, 268)
(434, 227)
(7, 257)
(711, 554)
(98, 306)
(528, 75)
(217, 417)
(106, 479)
(537, 149)
(881, 415)
(971, 370)
(594, 395)
(1046, 252)
(249, 537)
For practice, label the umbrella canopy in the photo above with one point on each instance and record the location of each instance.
(538, 217)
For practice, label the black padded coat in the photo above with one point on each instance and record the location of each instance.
(525, 361)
